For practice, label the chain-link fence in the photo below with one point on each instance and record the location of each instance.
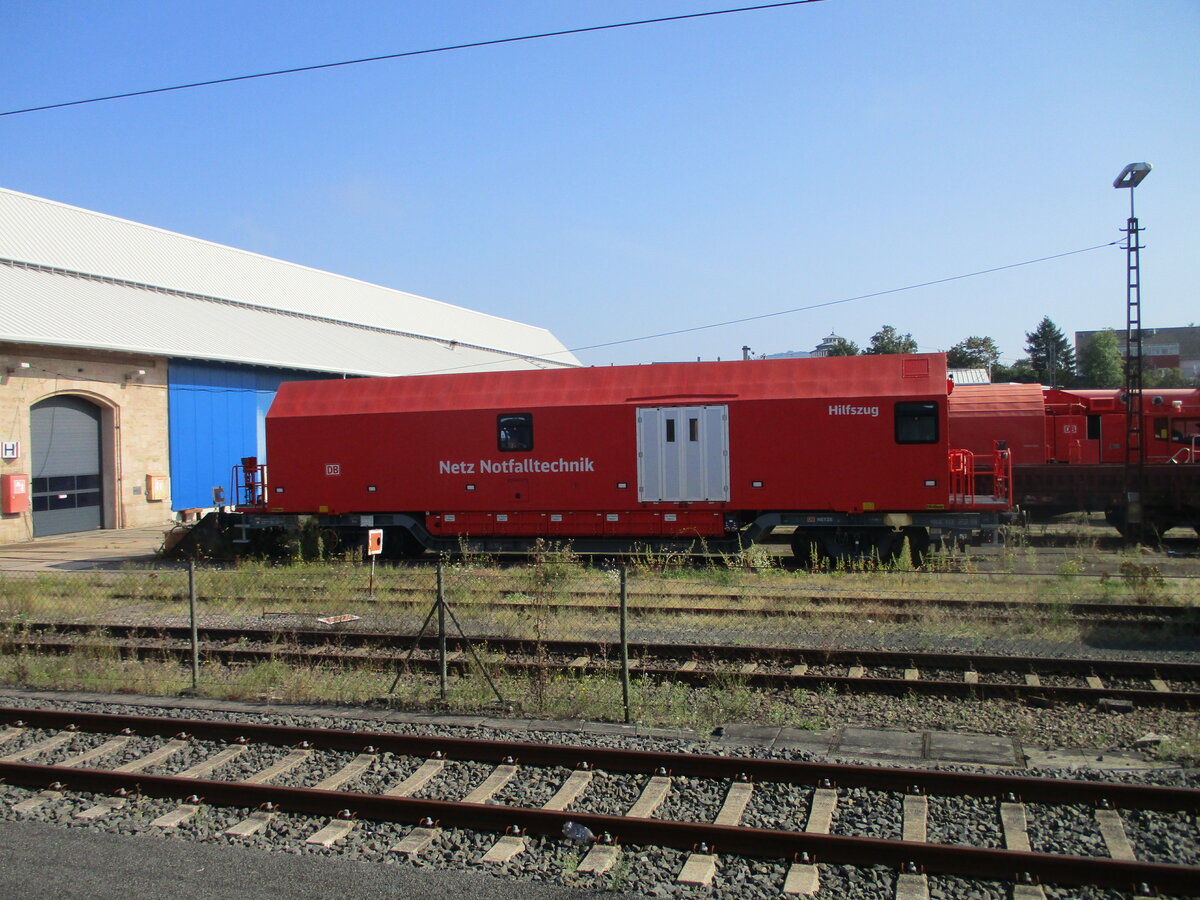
(549, 634)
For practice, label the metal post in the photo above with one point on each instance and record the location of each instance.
(195, 631)
(1134, 457)
(1135, 526)
(441, 608)
(625, 641)
(371, 588)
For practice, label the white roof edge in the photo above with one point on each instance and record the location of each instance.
(227, 247)
(422, 314)
(481, 348)
(166, 353)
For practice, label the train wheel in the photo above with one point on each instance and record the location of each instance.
(857, 546)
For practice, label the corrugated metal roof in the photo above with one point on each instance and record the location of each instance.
(48, 234)
(996, 399)
(44, 307)
(969, 376)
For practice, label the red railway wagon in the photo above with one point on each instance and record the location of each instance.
(853, 453)
(1068, 448)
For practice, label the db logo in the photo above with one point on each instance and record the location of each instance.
(333, 469)
(1070, 429)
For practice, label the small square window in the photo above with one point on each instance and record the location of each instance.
(916, 423)
(514, 432)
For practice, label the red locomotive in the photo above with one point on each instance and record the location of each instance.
(1068, 448)
(854, 453)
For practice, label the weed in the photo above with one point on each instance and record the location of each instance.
(1144, 582)
(620, 873)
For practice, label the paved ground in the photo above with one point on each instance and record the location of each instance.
(39, 860)
(105, 549)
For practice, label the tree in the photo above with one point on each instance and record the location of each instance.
(1100, 364)
(1020, 372)
(842, 347)
(888, 340)
(1165, 378)
(974, 353)
(1050, 354)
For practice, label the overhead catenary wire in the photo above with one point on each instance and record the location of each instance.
(788, 312)
(409, 53)
(807, 308)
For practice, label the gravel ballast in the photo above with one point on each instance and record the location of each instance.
(643, 871)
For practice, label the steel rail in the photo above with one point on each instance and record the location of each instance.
(1134, 796)
(767, 681)
(979, 662)
(960, 860)
(1096, 612)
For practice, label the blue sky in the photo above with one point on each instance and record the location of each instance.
(630, 182)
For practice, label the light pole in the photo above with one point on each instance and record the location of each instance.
(1131, 176)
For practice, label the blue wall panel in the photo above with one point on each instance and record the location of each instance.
(217, 413)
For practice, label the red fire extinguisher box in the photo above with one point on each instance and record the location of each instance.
(14, 493)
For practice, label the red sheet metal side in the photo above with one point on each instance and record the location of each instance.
(803, 435)
(981, 414)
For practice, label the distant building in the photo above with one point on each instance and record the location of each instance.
(822, 349)
(1162, 348)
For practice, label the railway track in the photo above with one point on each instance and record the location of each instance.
(805, 818)
(975, 676)
(904, 606)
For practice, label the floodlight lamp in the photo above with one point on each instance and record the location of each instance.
(1131, 176)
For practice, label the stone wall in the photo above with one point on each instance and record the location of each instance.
(133, 424)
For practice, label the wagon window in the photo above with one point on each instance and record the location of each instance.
(514, 431)
(916, 423)
(1185, 431)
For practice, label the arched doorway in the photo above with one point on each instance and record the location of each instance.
(67, 462)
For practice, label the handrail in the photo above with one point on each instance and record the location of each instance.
(1002, 483)
(249, 483)
(1189, 454)
(963, 472)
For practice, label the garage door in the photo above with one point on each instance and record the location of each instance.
(66, 491)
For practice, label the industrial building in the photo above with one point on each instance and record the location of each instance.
(137, 364)
(1163, 349)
